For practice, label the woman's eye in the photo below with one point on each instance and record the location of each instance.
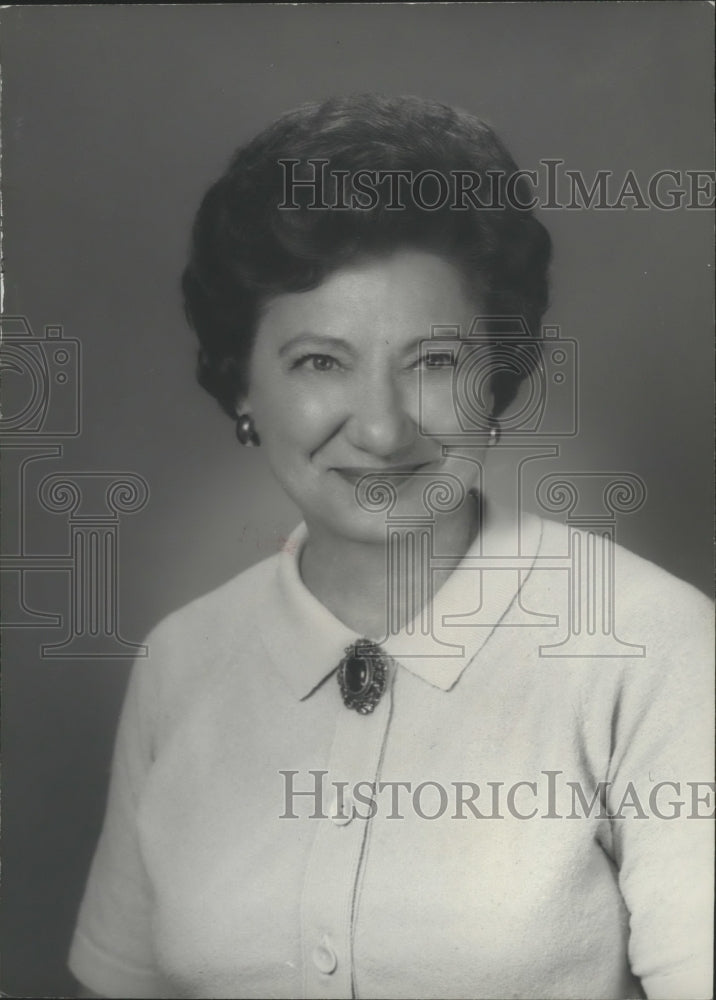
(437, 359)
(317, 362)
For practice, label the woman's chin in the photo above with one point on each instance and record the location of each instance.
(352, 522)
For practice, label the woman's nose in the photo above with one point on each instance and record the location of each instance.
(381, 422)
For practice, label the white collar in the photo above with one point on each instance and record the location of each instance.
(307, 642)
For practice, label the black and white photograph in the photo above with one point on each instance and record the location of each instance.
(357, 500)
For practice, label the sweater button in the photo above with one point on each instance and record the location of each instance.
(324, 957)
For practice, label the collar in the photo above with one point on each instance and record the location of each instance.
(306, 642)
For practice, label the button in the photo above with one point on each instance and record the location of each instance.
(341, 813)
(324, 957)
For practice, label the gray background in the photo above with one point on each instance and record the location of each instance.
(114, 122)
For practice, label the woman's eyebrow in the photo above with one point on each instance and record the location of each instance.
(415, 344)
(431, 343)
(323, 340)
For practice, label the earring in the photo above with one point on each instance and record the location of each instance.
(495, 432)
(246, 431)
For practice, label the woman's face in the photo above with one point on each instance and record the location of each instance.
(341, 385)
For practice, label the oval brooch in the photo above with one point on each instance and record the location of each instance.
(362, 675)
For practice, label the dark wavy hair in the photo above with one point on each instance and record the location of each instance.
(246, 248)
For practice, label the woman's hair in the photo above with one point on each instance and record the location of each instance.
(270, 224)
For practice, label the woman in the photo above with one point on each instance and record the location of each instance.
(357, 769)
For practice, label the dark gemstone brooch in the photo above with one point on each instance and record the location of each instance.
(362, 675)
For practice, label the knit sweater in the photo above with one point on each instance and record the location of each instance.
(520, 815)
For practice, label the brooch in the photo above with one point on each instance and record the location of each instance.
(362, 675)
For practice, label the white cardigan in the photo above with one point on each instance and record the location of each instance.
(202, 886)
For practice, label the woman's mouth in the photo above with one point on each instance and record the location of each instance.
(395, 473)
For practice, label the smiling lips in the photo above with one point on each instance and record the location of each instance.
(354, 475)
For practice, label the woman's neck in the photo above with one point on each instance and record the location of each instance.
(352, 578)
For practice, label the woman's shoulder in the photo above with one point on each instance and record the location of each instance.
(644, 593)
(236, 598)
(632, 634)
(198, 649)
(201, 644)
(201, 634)
(630, 568)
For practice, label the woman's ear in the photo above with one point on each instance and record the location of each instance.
(245, 427)
(242, 405)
